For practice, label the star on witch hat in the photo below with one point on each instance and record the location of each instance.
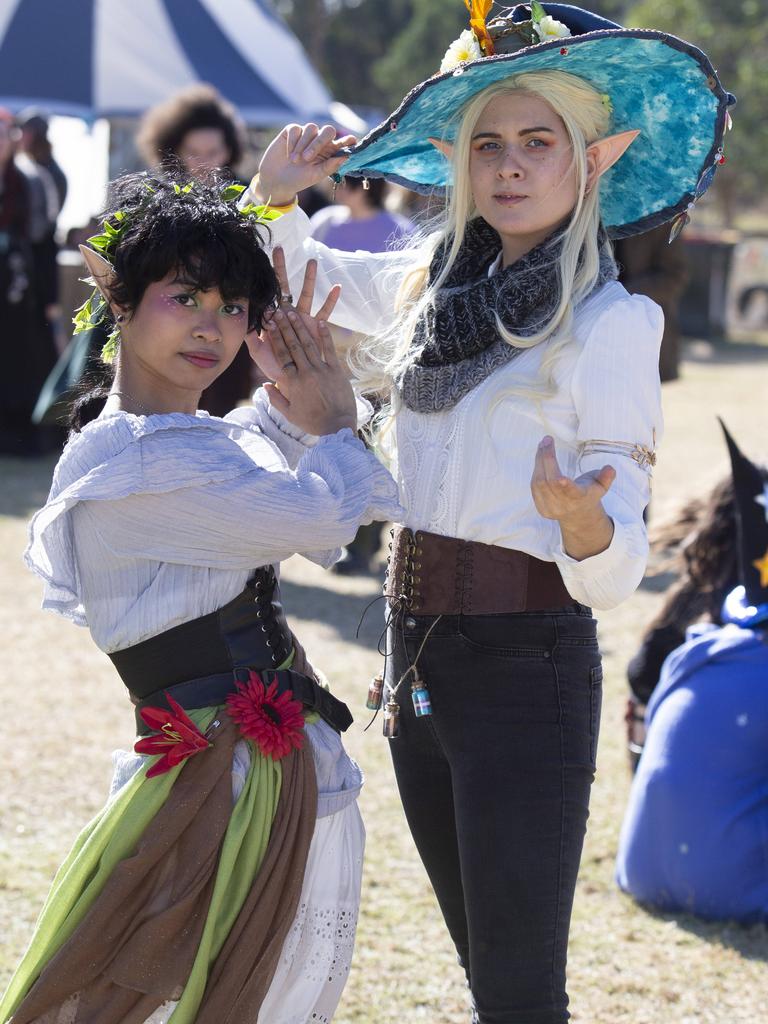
(748, 603)
(655, 83)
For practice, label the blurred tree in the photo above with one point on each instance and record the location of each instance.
(371, 53)
(308, 19)
(734, 35)
(415, 50)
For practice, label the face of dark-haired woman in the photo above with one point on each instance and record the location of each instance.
(180, 339)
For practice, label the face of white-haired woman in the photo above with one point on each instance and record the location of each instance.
(521, 171)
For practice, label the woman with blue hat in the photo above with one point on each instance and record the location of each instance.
(526, 405)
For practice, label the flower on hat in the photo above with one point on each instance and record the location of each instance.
(550, 28)
(274, 722)
(465, 48)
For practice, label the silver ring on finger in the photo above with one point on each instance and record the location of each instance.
(286, 299)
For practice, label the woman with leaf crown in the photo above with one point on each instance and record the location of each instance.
(221, 880)
(525, 400)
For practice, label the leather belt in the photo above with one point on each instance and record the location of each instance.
(434, 575)
(250, 630)
(214, 689)
(199, 662)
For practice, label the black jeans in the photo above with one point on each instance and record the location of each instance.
(495, 785)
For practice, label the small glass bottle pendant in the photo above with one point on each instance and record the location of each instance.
(422, 705)
(391, 719)
(373, 703)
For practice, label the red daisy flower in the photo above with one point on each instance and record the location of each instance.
(274, 722)
(177, 737)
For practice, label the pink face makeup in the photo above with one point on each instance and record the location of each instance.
(182, 337)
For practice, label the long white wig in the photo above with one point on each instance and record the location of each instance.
(586, 116)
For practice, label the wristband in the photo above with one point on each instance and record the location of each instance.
(255, 187)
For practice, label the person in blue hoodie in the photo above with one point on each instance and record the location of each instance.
(695, 833)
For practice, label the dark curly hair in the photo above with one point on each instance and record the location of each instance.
(701, 547)
(163, 127)
(167, 225)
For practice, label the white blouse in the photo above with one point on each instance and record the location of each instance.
(465, 472)
(156, 520)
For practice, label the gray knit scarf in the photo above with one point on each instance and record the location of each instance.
(456, 344)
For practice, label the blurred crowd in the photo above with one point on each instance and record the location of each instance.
(32, 192)
(200, 131)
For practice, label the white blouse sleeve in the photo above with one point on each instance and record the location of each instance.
(259, 515)
(617, 397)
(291, 440)
(369, 281)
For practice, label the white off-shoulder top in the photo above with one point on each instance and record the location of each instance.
(155, 520)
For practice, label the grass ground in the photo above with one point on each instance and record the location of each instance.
(64, 711)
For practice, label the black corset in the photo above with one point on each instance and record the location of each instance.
(249, 632)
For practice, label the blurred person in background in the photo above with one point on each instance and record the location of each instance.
(694, 834)
(700, 544)
(26, 355)
(48, 190)
(35, 143)
(358, 220)
(201, 132)
(650, 265)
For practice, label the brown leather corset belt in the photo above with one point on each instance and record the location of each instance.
(433, 575)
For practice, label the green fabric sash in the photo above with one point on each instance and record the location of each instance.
(114, 833)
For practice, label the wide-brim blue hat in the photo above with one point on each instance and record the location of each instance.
(661, 85)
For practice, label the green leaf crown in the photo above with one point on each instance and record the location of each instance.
(95, 308)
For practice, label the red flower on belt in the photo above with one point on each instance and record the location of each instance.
(274, 722)
(176, 737)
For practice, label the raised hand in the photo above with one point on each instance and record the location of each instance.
(300, 156)
(575, 504)
(259, 344)
(312, 389)
(308, 383)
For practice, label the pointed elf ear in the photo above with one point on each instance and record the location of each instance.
(446, 148)
(101, 270)
(605, 152)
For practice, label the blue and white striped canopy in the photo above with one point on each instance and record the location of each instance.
(110, 58)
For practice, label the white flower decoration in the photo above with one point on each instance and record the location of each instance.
(465, 48)
(549, 28)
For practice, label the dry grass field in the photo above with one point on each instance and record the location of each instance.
(63, 712)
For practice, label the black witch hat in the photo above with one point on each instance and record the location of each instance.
(748, 604)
